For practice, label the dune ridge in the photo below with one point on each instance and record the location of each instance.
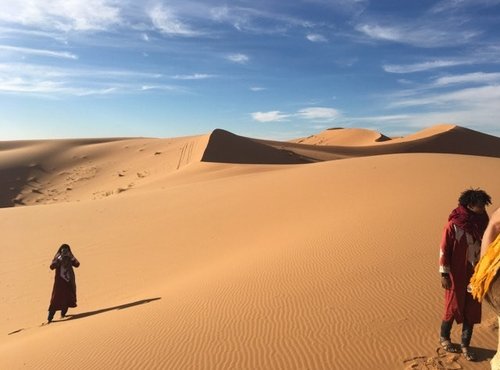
(39, 172)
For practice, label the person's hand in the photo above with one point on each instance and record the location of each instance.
(446, 281)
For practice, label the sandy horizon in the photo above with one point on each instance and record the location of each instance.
(218, 251)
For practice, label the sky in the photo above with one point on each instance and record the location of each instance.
(263, 68)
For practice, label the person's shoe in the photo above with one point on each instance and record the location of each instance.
(468, 354)
(50, 317)
(447, 345)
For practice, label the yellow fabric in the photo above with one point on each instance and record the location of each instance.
(486, 270)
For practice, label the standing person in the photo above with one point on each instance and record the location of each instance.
(64, 291)
(460, 251)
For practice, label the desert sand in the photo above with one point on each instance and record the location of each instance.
(224, 252)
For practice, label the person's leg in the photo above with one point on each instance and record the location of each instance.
(446, 330)
(467, 333)
(51, 315)
(64, 311)
(466, 338)
(444, 337)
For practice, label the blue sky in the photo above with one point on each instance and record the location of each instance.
(269, 69)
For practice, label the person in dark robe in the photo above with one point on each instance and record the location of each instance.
(64, 290)
(459, 253)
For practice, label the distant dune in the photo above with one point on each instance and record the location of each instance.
(438, 139)
(220, 251)
(343, 136)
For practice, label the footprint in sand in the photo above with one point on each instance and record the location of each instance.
(442, 361)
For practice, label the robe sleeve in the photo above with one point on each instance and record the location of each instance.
(446, 248)
(54, 264)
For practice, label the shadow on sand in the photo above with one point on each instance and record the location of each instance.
(97, 312)
(483, 354)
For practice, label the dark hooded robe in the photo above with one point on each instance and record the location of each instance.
(460, 252)
(64, 290)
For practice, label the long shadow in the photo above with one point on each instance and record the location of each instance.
(97, 312)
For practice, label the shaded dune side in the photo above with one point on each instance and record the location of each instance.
(226, 147)
(446, 139)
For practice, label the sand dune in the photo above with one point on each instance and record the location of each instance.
(41, 172)
(438, 139)
(343, 136)
(204, 265)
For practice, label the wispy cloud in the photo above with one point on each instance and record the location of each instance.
(256, 21)
(454, 5)
(421, 34)
(163, 88)
(48, 88)
(272, 116)
(238, 58)
(476, 78)
(318, 113)
(315, 37)
(196, 76)
(468, 97)
(40, 52)
(257, 88)
(23, 78)
(424, 66)
(63, 15)
(166, 21)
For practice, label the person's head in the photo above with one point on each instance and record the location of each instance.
(64, 250)
(475, 200)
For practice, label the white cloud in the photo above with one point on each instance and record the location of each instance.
(40, 52)
(314, 37)
(238, 58)
(272, 116)
(476, 77)
(453, 5)
(43, 80)
(196, 76)
(257, 88)
(47, 88)
(63, 15)
(256, 21)
(319, 113)
(167, 22)
(422, 34)
(424, 66)
(469, 97)
(161, 87)
(381, 33)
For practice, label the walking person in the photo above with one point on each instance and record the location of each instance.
(64, 290)
(459, 252)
